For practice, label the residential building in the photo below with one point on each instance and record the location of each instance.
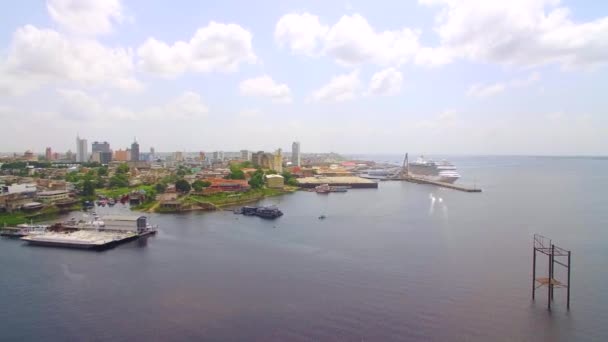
(218, 156)
(245, 155)
(278, 161)
(29, 156)
(121, 155)
(256, 158)
(82, 154)
(135, 151)
(295, 154)
(275, 181)
(48, 154)
(178, 156)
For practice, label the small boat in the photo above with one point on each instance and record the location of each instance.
(322, 217)
(323, 189)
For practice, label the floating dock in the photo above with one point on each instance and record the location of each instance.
(352, 182)
(85, 239)
(441, 184)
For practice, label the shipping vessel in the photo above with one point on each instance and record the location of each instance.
(442, 171)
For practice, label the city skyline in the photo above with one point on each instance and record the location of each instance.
(346, 77)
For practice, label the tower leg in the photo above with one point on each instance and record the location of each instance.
(533, 271)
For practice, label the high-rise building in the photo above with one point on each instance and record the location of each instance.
(82, 154)
(245, 155)
(178, 156)
(103, 158)
(152, 152)
(278, 161)
(69, 155)
(48, 155)
(100, 147)
(295, 154)
(121, 155)
(135, 151)
(218, 156)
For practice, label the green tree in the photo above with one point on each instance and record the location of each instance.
(99, 182)
(257, 179)
(119, 181)
(123, 168)
(88, 189)
(160, 187)
(198, 184)
(102, 171)
(290, 179)
(235, 172)
(182, 186)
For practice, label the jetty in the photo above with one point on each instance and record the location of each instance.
(418, 180)
(342, 182)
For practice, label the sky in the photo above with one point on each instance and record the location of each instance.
(433, 76)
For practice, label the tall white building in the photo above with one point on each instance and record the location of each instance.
(246, 155)
(82, 151)
(295, 154)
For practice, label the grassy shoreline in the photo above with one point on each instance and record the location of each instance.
(48, 213)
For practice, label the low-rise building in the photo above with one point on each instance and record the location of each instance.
(275, 181)
(53, 196)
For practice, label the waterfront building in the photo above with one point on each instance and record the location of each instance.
(48, 154)
(275, 181)
(53, 196)
(135, 151)
(82, 154)
(122, 155)
(295, 154)
(245, 155)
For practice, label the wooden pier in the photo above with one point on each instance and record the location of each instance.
(441, 184)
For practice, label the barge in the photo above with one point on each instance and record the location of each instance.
(263, 212)
(94, 235)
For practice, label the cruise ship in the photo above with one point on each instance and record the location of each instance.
(442, 171)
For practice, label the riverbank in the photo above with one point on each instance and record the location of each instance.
(48, 213)
(196, 202)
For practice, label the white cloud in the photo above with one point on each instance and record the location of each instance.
(39, 56)
(485, 90)
(340, 88)
(353, 41)
(78, 105)
(301, 32)
(216, 47)
(518, 32)
(386, 82)
(445, 120)
(86, 16)
(249, 113)
(265, 86)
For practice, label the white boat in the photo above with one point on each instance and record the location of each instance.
(442, 171)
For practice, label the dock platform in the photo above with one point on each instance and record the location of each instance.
(82, 239)
(351, 181)
(441, 184)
